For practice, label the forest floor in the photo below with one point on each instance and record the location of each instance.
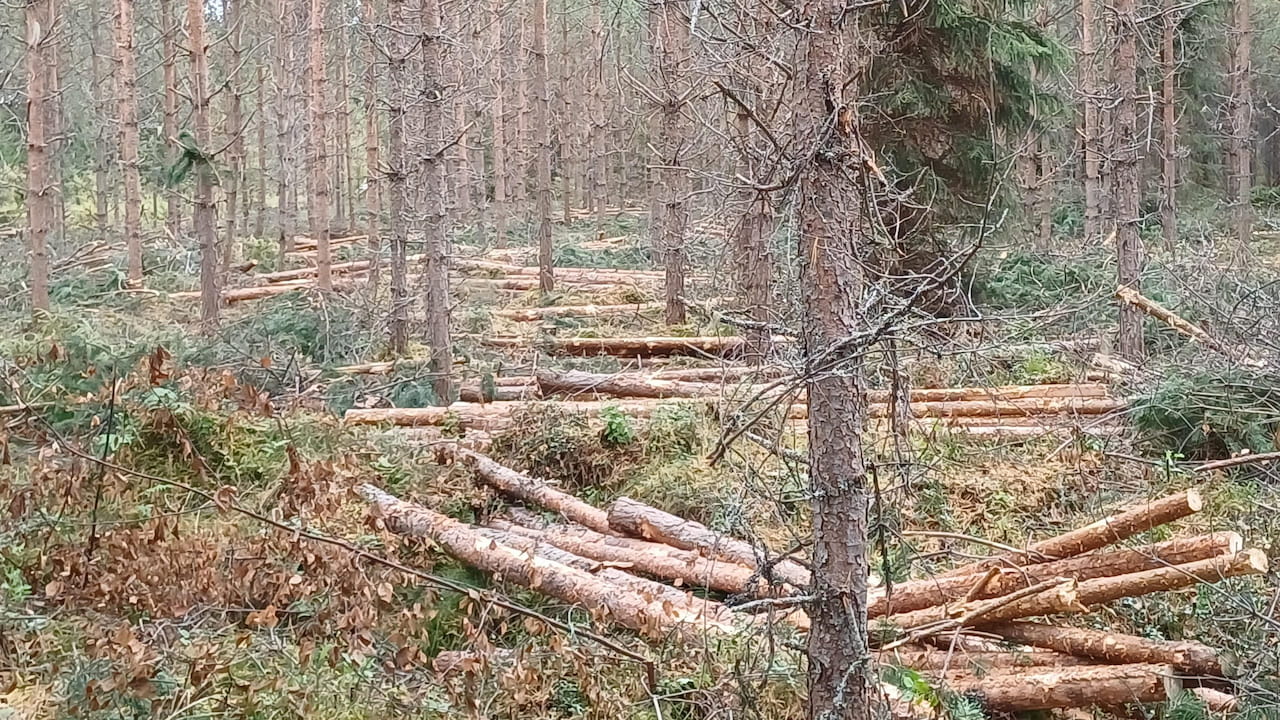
(183, 577)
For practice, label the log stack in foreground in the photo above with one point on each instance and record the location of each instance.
(633, 564)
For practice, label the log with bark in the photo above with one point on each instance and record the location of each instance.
(630, 517)
(1116, 648)
(1099, 534)
(625, 607)
(980, 661)
(1070, 687)
(686, 567)
(630, 347)
(235, 295)
(549, 313)
(920, 594)
(499, 415)
(530, 490)
(1156, 310)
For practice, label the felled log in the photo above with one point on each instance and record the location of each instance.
(630, 517)
(525, 284)
(687, 567)
(1072, 687)
(548, 313)
(639, 347)
(380, 368)
(236, 295)
(629, 609)
(530, 490)
(722, 373)
(1115, 648)
(1216, 701)
(581, 274)
(495, 415)
(1131, 296)
(475, 440)
(342, 268)
(1136, 519)
(922, 658)
(920, 594)
(473, 392)
(1078, 597)
(302, 244)
(633, 385)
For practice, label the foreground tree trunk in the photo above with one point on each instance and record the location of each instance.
(372, 159)
(234, 178)
(1089, 89)
(1126, 182)
(432, 217)
(832, 244)
(319, 205)
(397, 173)
(1168, 127)
(281, 77)
(102, 147)
(127, 95)
(202, 216)
(1240, 151)
(542, 128)
(671, 184)
(40, 16)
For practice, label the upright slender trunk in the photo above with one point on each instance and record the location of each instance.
(1043, 160)
(751, 261)
(347, 175)
(397, 172)
(203, 215)
(1089, 89)
(102, 147)
(281, 76)
(127, 96)
(54, 124)
(568, 141)
(1126, 183)
(542, 140)
(170, 27)
(521, 75)
(672, 187)
(1168, 127)
(1241, 122)
(833, 245)
(40, 17)
(432, 218)
(497, 116)
(319, 213)
(598, 168)
(231, 180)
(372, 160)
(260, 113)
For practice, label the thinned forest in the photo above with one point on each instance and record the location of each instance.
(596, 359)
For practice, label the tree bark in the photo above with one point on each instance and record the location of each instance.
(127, 96)
(102, 146)
(470, 545)
(281, 77)
(1081, 687)
(1115, 648)
(559, 311)
(1125, 169)
(318, 214)
(497, 118)
(1240, 104)
(234, 177)
(41, 19)
(975, 662)
(752, 262)
(169, 28)
(530, 490)
(671, 179)
(1090, 88)
(203, 218)
(636, 519)
(372, 144)
(1099, 534)
(397, 172)
(1168, 126)
(598, 169)
(634, 347)
(260, 113)
(432, 218)
(542, 139)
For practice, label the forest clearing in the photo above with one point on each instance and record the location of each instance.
(658, 360)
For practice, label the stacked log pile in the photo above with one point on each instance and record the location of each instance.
(969, 630)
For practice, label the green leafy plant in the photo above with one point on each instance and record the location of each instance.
(617, 431)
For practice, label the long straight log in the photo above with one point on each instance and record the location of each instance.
(1097, 591)
(1131, 296)
(562, 582)
(641, 347)
(722, 373)
(920, 594)
(1121, 526)
(492, 416)
(1072, 687)
(1116, 648)
(530, 490)
(687, 567)
(920, 658)
(548, 313)
(352, 266)
(236, 295)
(630, 517)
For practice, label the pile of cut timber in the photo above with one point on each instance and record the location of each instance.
(967, 629)
(633, 347)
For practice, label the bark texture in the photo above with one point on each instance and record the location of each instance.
(1126, 183)
(318, 213)
(542, 142)
(1068, 687)
(672, 188)
(40, 17)
(530, 490)
(203, 218)
(1115, 648)
(127, 111)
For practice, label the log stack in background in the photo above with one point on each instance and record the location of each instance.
(967, 630)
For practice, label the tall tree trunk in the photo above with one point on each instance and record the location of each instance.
(203, 217)
(568, 141)
(127, 96)
(260, 111)
(521, 75)
(1241, 122)
(1089, 89)
(497, 116)
(319, 206)
(833, 244)
(281, 77)
(170, 27)
(397, 172)
(233, 178)
(672, 188)
(433, 218)
(1126, 183)
(40, 17)
(1044, 169)
(54, 124)
(102, 145)
(598, 171)
(372, 159)
(344, 112)
(751, 262)
(1168, 127)
(542, 140)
